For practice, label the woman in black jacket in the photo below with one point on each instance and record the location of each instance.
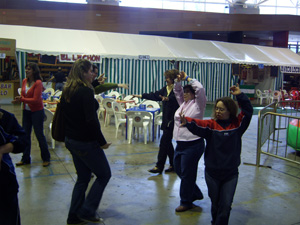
(170, 105)
(85, 141)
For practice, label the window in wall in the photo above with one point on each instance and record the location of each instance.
(192, 6)
(67, 1)
(267, 10)
(269, 3)
(286, 10)
(173, 5)
(218, 8)
(286, 3)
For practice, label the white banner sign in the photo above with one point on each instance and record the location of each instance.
(74, 57)
(290, 69)
(144, 57)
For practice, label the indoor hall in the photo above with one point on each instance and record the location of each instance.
(136, 197)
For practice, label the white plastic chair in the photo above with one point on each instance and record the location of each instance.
(151, 104)
(114, 94)
(130, 97)
(157, 123)
(107, 104)
(101, 109)
(261, 96)
(138, 119)
(48, 125)
(275, 95)
(120, 116)
(57, 93)
(49, 90)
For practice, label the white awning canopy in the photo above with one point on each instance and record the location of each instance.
(51, 41)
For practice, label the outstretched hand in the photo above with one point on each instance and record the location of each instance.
(125, 86)
(235, 89)
(164, 98)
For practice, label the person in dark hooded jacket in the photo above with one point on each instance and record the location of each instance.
(12, 139)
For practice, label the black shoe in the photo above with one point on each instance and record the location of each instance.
(76, 222)
(21, 163)
(169, 170)
(90, 219)
(155, 170)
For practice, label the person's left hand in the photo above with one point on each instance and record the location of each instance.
(125, 86)
(164, 98)
(235, 89)
(16, 100)
(106, 146)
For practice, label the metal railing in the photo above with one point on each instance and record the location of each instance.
(272, 131)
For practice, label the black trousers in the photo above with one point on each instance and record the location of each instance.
(166, 149)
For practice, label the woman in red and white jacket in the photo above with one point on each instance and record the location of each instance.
(222, 157)
(33, 113)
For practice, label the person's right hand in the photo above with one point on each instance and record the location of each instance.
(137, 96)
(16, 100)
(106, 146)
(102, 78)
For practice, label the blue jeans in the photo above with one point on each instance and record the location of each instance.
(35, 120)
(186, 158)
(88, 157)
(221, 193)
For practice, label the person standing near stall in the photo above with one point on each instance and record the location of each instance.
(170, 105)
(33, 113)
(60, 79)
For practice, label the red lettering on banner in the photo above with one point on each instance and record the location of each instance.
(65, 57)
(5, 49)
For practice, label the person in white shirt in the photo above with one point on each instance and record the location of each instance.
(190, 147)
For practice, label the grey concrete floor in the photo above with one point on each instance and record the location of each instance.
(133, 196)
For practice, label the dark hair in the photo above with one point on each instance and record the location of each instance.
(76, 78)
(172, 74)
(190, 88)
(230, 105)
(95, 67)
(35, 70)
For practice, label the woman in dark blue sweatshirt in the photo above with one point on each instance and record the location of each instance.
(222, 155)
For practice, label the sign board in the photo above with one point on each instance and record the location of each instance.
(260, 66)
(144, 57)
(74, 57)
(6, 92)
(8, 46)
(290, 69)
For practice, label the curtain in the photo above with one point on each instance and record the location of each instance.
(142, 76)
(216, 78)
